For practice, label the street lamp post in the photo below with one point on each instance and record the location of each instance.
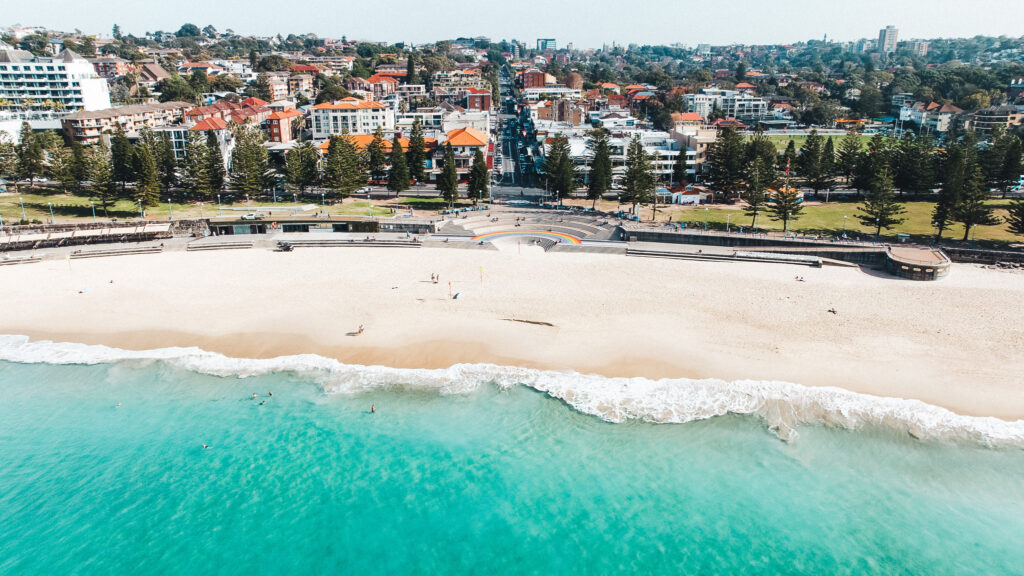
(295, 202)
(705, 218)
(93, 204)
(141, 214)
(220, 207)
(323, 204)
(53, 220)
(728, 217)
(844, 227)
(23, 216)
(974, 234)
(247, 208)
(878, 228)
(170, 210)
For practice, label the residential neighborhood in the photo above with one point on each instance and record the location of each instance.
(516, 104)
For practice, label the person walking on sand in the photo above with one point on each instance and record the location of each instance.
(360, 329)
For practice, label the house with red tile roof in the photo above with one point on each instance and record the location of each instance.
(253, 102)
(465, 142)
(211, 123)
(681, 119)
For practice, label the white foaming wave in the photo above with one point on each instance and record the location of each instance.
(783, 406)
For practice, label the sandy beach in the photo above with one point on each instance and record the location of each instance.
(956, 343)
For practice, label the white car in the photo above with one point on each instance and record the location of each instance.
(253, 216)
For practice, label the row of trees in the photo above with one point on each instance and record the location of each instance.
(964, 173)
(638, 183)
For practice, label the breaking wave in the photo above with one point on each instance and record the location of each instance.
(782, 406)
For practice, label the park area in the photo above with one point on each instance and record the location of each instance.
(826, 219)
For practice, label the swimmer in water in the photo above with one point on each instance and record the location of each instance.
(253, 395)
(373, 409)
(263, 402)
(270, 393)
(205, 447)
(118, 404)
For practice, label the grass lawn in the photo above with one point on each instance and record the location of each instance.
(431, 202)
(782, 140)
(69, 207)
(827, 219)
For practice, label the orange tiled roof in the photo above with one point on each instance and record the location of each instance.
(253, 102)
(686, 117)
(213, 123)
(466, 137)
(284, 115)
(361, 141)
(378, 78)
(350, 104)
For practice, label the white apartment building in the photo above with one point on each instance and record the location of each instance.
(731, 103)
(430, 119)
(551, 91)
(60, 84)
(662, 148)
(351, 116)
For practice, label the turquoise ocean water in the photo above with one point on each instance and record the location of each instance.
(490, 480)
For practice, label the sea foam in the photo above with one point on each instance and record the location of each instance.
(783, 406)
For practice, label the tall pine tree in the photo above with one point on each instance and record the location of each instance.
(148, 188)
(398, 173)
(122, 158)
(638, 181)
(102, 186)
(478, 177)
(215, 172)
(600, 166)
(376, 158)
(972, 209)
(727, 158)
(880, 209)
(417, 155)
(448, 179)
(759, 180)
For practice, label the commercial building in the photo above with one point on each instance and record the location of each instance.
(87, 126)
(352, 116)
(544, 44)
(986, 119)
(730, 103)
(551, 92)
(888, 39)
(662, 148)
(454, 79)
(60, 84)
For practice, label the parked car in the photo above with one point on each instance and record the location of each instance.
(253, 216)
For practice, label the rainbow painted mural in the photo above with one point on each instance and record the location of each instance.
(557, 236)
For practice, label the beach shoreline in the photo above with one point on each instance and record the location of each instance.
(956, 343)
